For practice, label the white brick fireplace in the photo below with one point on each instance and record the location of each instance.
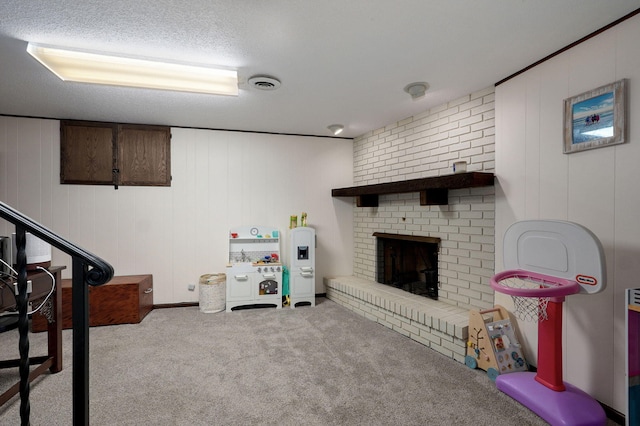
(422, 146)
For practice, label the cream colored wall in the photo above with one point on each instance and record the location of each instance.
(220, 180)
(596, 188)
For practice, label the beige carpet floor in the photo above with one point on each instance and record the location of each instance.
(321, 365)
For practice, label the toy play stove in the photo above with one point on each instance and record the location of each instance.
(254, 272)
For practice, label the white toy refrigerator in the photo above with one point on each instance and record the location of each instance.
(302, 265)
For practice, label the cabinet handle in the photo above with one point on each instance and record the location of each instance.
(306, 269)
(306, 274)
(241, 277)
(149, 290)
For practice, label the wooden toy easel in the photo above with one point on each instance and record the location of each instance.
(493, 345)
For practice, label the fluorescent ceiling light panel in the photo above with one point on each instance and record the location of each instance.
(84, 67)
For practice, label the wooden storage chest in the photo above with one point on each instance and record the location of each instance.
(125, 299)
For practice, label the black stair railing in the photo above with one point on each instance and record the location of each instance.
(87, 269)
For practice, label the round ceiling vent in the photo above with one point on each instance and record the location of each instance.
(264, 82)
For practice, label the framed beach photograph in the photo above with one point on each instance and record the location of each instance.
(596, 118)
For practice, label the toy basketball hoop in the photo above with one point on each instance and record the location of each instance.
(531, 292)
(546, 261)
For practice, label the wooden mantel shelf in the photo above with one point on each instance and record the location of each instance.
(433, 190)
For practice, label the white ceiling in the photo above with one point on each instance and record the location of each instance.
(339, 61)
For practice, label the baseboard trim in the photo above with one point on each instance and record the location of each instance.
(613, 414)
(191, 304)
(176, 305)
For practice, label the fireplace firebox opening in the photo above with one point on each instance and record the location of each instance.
(408, 262)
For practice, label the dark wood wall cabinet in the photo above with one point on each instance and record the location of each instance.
(433, 190)
(96, 153)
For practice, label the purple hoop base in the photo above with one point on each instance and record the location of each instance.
(570, 407)
(564, 287)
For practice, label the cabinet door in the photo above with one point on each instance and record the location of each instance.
(112, 154)
(240, 287)
(302, 284)
(87, 152)
(144, 155)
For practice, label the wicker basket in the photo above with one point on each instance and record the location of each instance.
(212, 293)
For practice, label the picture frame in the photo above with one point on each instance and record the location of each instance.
(596, 118)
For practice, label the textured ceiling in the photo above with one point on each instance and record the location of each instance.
(339, 61)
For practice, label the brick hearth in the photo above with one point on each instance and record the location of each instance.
(435, 324)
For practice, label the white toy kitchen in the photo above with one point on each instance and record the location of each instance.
(254, 271)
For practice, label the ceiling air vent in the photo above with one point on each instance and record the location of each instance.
(264, 82)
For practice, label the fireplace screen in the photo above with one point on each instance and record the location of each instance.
(409, 263)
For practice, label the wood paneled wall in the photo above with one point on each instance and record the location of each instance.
(220, 180)
(596, 188)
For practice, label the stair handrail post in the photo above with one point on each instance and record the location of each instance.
(80, 324)
(22, 302)
(87, 269)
